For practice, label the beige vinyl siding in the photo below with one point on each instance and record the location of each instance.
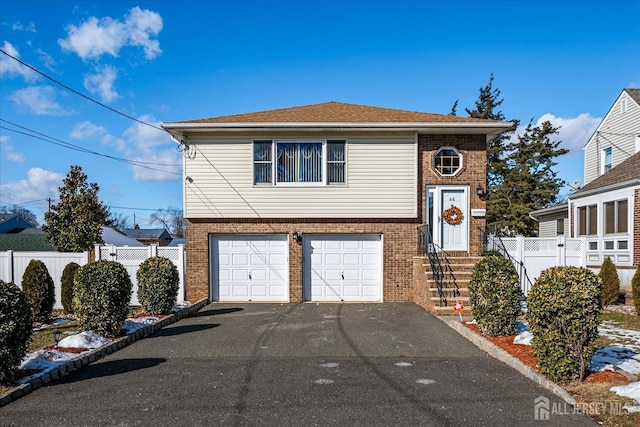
(618, 130)
(547, 227)
(381, 182)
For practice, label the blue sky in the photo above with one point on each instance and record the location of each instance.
(161, 61)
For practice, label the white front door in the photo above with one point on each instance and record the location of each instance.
(250, 268)
(342, 267)
(448, 230)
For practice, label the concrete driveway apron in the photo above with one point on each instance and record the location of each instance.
(296, 365)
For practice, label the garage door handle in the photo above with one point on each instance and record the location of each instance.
(342, 274)
(249, 275)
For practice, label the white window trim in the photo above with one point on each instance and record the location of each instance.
(433, 165)
(604, 160)
(274, 178)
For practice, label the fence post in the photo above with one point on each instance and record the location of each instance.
(520, 256)
(181, 268)
(583, 251)
(561, 257)
(10, 268)
(153, 251)
(87, 257)
(96, 249)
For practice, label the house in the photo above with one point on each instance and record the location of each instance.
(606, 212)
(13, 223)
(328, 202)
(111, 236)
(29, 240)
(606, 209)
(616, 139)
(150, 236)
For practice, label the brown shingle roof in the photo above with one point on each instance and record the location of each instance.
(634, 94)
(625, 171)
(338, 112)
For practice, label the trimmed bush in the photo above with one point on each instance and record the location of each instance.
(610, 283)
(635, 290)
(158, 283)
(102, 291)
(495, 296)
(563, 309)
(68, 274)
(16, 324)
(38, 287)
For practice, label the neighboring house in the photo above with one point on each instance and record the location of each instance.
(29, 240)
(13, 223)
(150, 236)
(177, 242)
(552, 221)
(325, 202)
(111, 236)
(616, 139)
(606, 212)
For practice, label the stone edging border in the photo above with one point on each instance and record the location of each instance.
(96, 354)
(515, 363)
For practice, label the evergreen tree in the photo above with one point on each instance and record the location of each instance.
(73, 224)
(487, 107)
(528, 182)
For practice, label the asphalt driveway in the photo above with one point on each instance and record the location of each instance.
(295, 365)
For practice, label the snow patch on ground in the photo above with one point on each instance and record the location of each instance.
(86, 339)
(132, 325)
(632, 391)
(623, 352)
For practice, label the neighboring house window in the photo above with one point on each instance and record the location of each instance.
(588, 220)
(607, 159)
(560, 226)
(447, 161)
(299, 162)
(616, 217)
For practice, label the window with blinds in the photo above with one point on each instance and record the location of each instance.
(305, 163)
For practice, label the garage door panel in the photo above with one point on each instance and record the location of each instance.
(250, 267)
(342, 267)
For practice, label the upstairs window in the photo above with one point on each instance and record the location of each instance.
(560, 226)
(607, 159)
(299, 163)
(447, 161)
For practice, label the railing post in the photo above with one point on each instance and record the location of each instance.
(561, 257)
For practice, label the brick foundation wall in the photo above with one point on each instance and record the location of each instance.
(400, 240)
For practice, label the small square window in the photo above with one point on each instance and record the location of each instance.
(593, 246)
(608, 245)
(623, 245)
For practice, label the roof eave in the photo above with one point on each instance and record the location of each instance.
(611, 187)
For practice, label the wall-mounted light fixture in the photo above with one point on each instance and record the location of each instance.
(297, 237)
(188, 179)
(480, 191)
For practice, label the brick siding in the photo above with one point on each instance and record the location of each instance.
(400, 236)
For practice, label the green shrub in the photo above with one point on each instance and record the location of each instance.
(38, 287)
(610, 283)
(68, 274)
(16, 324)
(563, 309)
(102, 291)
(635, 290)
(495, 295)
(158, 282)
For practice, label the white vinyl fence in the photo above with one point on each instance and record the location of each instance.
(536, 254)
(13, 264)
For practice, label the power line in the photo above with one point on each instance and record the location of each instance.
(80, 93)
(46, 138)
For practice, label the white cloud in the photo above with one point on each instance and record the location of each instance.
(106, 36)
(9, 67)
(39, 100)
(101, 82)
(87, 131)
(8, 150)
(46, 59)
(18, 26)
(139, 143)
(40, 184)
(574, 132)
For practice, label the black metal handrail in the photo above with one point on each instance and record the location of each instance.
(440, 266)
(493, 243)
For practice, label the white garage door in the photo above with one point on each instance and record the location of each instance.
(343, 267)
(250, 268)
